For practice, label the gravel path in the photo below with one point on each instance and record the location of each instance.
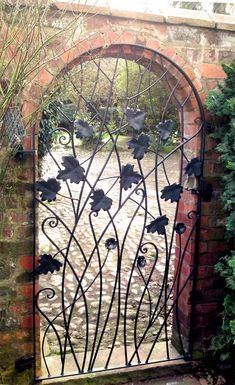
(120, 273)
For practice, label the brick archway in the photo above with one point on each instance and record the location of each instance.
(109, 43)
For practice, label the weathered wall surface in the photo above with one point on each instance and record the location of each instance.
(16, 250)
(198, 50)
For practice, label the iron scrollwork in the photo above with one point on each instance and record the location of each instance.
(110, 263)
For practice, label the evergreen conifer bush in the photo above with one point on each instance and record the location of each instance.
(221, 104)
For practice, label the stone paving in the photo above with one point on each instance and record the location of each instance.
(127, 320)
(177, 380)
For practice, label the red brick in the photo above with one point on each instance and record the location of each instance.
(184, 305)
(29, 107)
(153, 44)
(191, 116)
(217, 169)
(189, 71)
(179, 60)
(204, 220)
(27, 143)
(27, 290)
(168, 52)
(206, 271)
(161, 28)
(44, 77)
(217, 246)
(185, 272)
(212, 234)
(70, 55)
(12, 336)
(190, 129)
(211, 154)
(27, 322)
(205, 209)
(112, 37)
(208, 167)
(204, 332)
(198, 85)
(204, 235)
(26, 262)
(203, 247)
(207, 283)
(207, 308)
(211, 71)
(19, 308)
(203, 320)
(211, 84)
(208, 259)
(26, 348)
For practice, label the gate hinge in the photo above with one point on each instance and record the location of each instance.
(210, 127)
(24, 363)
(207, 191)
(21, 153)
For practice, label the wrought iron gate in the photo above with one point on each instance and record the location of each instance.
(108, 204)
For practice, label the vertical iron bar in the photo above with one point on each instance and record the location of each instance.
(197, 242)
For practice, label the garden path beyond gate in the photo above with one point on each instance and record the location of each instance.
(114, 225)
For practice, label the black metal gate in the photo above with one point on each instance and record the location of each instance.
(108, 200)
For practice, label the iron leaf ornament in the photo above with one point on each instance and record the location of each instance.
(165, 129)
(72, 170)
(47, 264)
(83, 129)
(100, 201)
(139, 145)
(135, 118)
(172, 192)
(194, 167)
(129, 176)
(48, 189)
(158, 225)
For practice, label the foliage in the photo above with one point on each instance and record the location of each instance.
(49, 121)
(26, 46)
(221, 104)
(224, 341)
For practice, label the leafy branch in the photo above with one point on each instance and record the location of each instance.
(29, 41)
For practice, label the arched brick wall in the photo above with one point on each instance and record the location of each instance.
(17, 241)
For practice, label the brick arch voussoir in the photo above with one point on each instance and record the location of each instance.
(109, 43)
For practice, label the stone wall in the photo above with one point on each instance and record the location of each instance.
(198, 50)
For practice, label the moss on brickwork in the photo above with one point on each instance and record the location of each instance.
(13, 377)
(15, 242)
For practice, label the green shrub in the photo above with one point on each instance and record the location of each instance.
(221, 104)
(49, 121)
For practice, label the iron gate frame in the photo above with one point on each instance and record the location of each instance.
(200, 190)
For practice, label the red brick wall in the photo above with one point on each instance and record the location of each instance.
(16, 256)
